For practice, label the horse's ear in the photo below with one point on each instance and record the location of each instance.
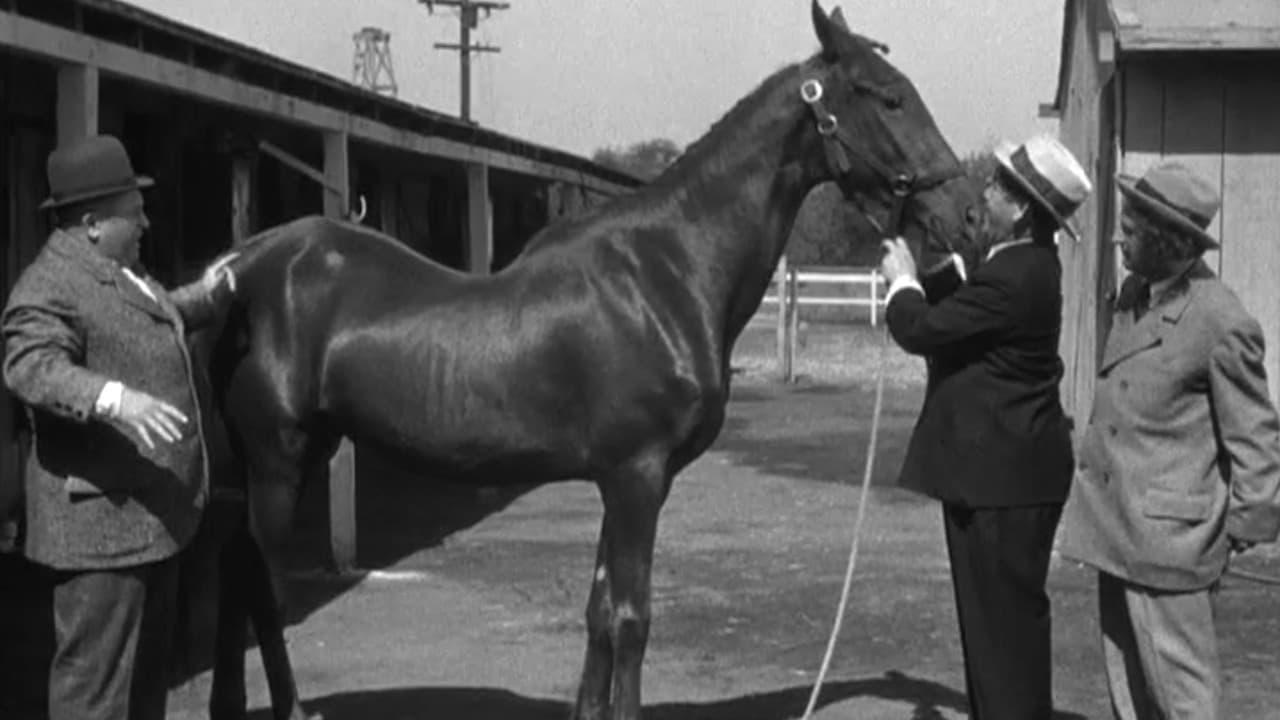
(827, 32)
(837, 17)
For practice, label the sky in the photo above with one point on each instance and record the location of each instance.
(581, 75)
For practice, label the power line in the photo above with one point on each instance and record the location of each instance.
(468, 20)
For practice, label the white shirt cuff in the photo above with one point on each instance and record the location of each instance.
(903, 281)
(108, 403)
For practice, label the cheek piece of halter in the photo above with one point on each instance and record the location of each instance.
(838, 148)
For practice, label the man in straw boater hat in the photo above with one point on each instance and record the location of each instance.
(992, 441)
(116, 482)
(1179, 465)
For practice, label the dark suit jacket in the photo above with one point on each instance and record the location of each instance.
(1182, 448)
(96, 496)
(992, 432)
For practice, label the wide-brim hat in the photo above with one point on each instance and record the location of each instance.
(88, 168)
(1173, 193)
(1047, 171)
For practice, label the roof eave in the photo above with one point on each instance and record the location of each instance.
(1185, 39)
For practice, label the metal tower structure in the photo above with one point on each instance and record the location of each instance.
(372, 66)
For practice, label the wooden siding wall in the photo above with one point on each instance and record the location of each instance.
(1087, 129)
(1219, 115)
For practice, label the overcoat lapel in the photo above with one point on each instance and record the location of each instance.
(135, 297)
(1129, 337)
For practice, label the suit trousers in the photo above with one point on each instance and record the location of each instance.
(1161, 652)
(113, 632)
(999, 565)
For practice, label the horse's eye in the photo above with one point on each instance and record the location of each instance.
(893, 102)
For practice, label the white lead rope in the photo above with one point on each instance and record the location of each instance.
(857, 530)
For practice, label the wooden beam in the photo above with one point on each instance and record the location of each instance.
(241, 199)
(388, 207)
(65, 46)
(1227, 37)
(306, 170)
(479, 220)
(337, 174)
(77, 102)
(342, 468)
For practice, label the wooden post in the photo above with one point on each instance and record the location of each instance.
(793, 320)
(875, 294)
(389, 207)
(241, 199)
(77, 102)
(479, 219)
(342, 468)
(780, 274)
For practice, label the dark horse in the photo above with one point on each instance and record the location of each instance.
(602, 353)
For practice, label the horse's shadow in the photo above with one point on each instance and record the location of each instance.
(927, 698)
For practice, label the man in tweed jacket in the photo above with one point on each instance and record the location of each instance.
(116, 480)
(1179, 465)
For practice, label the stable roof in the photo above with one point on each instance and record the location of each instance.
(1152, 26)
(123, 24)
(1196, 24)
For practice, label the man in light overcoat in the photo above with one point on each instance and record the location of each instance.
(1179, 464)
(116, 480)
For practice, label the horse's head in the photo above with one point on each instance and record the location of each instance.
(877, 140)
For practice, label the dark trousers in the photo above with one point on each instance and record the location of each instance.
(999, 564)
(112, 630)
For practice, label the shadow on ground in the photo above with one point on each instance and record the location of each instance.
(817, 432)
(927, 698)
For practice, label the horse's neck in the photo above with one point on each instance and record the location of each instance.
(744, 197)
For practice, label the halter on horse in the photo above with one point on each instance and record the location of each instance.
(601, 353)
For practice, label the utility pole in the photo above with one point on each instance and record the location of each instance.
(469, 19)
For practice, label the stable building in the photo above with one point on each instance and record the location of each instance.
(239, 140)
(1198, 82)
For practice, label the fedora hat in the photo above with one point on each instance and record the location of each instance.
(1049, 174)
(89, 168)
(1173, 193)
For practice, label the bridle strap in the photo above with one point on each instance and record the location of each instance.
(838, 149)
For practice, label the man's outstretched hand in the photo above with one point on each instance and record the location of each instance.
(897, 261)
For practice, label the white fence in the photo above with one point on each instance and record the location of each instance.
(793, 289)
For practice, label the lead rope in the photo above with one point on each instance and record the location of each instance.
(857, 529)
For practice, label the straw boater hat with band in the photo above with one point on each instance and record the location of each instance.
(1172, 193)
(1049, 174)
(90, 168)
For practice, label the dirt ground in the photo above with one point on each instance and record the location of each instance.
(478, 610)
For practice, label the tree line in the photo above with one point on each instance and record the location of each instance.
(828, 230)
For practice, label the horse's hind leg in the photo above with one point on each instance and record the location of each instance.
(227, 697)
(597, 668)
(632, 496)
(264, 609)
(273, 497)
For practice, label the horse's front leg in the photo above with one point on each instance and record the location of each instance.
(597, 668)
(632, 499)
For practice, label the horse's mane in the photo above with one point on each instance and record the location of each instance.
(700, 154)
